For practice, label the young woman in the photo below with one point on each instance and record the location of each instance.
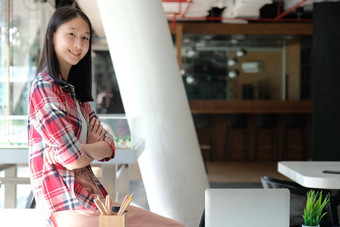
(64, 133)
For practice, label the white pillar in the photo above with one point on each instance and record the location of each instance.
(152, 90)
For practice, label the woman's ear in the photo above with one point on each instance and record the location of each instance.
(48, 37)
(52, 37)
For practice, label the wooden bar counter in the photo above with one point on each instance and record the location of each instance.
(249, 106)
(218, 112)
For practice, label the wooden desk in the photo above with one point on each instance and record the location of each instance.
(34, 218)
(309, 173)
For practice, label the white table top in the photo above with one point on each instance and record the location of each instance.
(309, 173)
(20, 155)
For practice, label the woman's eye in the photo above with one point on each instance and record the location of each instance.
(86, 38)
(71, 34)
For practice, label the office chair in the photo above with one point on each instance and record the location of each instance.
(298, 196)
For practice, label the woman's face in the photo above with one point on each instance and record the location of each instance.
(71, 42)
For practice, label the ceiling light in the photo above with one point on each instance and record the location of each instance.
(232, 62)
(241, 53)
(190, 53)
(234, 41)
(190, 80)
(233, 74)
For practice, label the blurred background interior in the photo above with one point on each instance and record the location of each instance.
(246, 67)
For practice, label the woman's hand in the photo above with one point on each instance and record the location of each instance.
(95, 131)
(49, 155)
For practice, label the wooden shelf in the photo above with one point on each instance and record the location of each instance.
(250, 106)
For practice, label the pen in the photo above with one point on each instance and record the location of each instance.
(331, 171)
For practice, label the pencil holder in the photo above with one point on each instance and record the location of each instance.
(113, 220)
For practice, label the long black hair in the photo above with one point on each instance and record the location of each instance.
(80, 75)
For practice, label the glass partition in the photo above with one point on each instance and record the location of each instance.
(235, 67)
(20, 49)
(118, 126)
(13, 130)
(20, 44)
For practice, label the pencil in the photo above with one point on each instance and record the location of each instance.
(125, 198)
(110, 204)
(100, 206)
(125, 205)
(107, 204)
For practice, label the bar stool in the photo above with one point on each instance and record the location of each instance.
(295, 122)
(203, 125)
(267, 122)
(238, 122)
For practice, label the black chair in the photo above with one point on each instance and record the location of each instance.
(30, 204)
(298, 196)
(267, 122)
(295, 122)
(237, 122)
(202, 221)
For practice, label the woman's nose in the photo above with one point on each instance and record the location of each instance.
(78, 44)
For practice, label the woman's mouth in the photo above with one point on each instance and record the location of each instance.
(75, 54)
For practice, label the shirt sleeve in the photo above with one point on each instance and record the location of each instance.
(108, 137)
(52, 122)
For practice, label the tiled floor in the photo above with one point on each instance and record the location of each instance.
(241, 172)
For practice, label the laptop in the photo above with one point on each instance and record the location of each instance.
(247, 207)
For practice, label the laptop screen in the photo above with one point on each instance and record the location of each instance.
(247, 207)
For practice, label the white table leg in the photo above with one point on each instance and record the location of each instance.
(123, 178)
(10, 189)
(109, 178)
(115, 179)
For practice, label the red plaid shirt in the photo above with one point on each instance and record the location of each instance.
(54, 121)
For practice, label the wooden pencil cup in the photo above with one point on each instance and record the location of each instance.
(113, 220)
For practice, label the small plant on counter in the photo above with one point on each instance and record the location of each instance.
(315, 204)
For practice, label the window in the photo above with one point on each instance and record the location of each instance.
(20, 39)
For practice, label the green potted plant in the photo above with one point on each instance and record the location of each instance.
(315, 204)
